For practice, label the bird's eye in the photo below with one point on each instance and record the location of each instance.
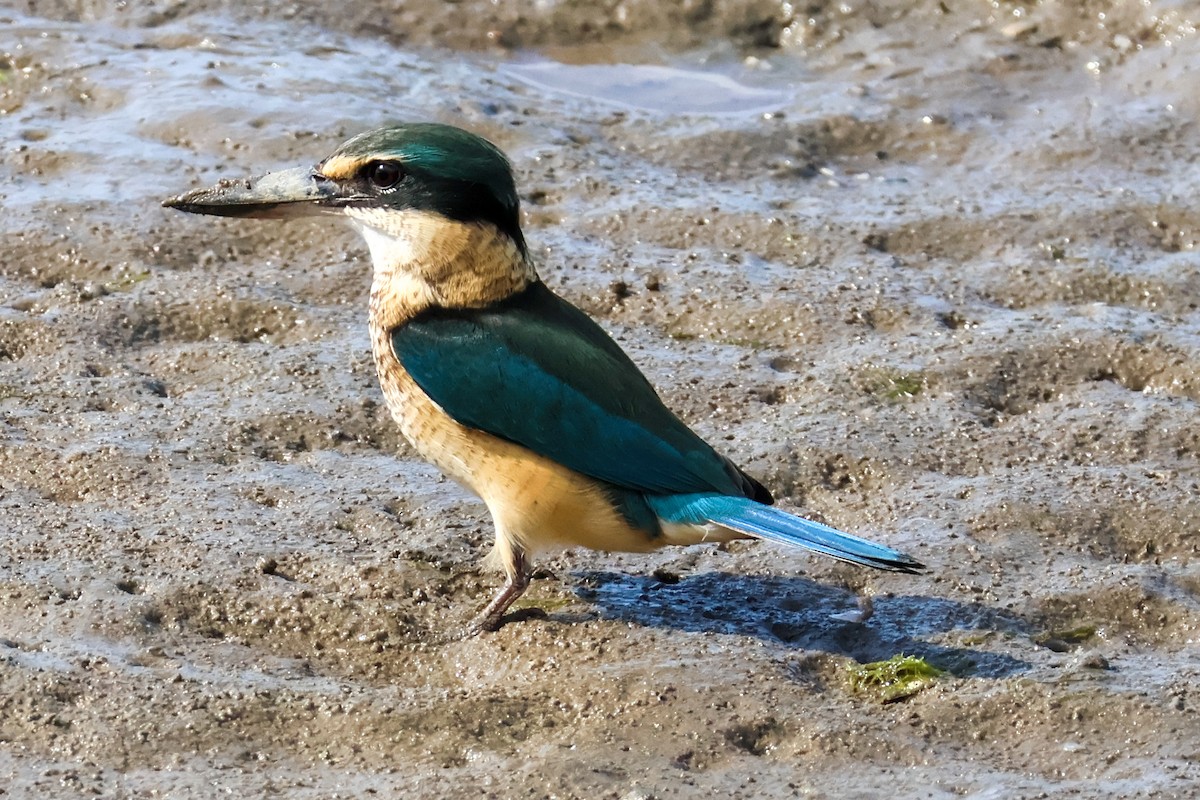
(384, 174)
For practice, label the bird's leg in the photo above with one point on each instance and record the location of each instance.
(518, 581)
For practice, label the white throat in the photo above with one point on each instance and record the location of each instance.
(396, 239)
(398, 253)
(388, 251)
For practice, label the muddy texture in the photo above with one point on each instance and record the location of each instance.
(942, 292)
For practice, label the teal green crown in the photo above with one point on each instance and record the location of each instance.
(453, 172)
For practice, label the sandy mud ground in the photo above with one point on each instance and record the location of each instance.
(929, 270)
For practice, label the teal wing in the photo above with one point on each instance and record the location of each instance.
(535, 370)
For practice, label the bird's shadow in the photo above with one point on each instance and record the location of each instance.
(801, 613)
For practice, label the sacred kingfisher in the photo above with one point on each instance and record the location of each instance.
(506, 387)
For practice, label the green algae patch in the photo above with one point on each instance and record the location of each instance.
(901, 387)
(891, 386)
(897, 678)
(126, 281)
(1066, 640)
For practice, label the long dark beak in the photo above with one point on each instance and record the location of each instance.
(301, 192)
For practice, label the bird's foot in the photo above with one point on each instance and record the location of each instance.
(492, 617)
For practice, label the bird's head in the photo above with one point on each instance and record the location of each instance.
(413, 189)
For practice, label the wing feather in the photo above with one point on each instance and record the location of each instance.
(537, 371)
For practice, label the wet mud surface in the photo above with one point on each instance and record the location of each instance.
(930, 273)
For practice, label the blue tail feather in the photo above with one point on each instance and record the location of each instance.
(764, 522)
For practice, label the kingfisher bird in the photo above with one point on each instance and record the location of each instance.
(505, 386)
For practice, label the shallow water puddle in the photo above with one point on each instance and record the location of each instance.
(651, 87)
(124, 99)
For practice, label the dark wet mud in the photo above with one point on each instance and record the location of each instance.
(929, 270)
